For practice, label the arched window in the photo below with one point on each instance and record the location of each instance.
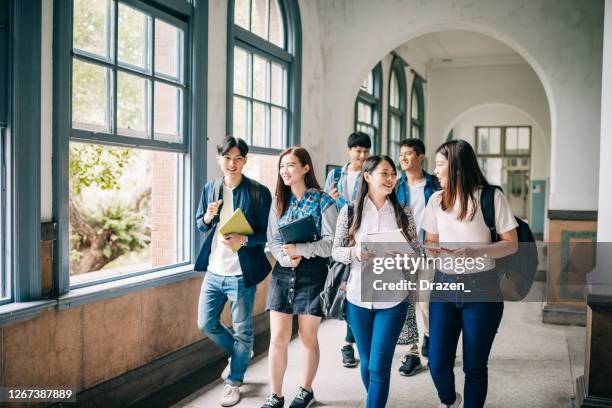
(396, 129)
(264, 73)
(417, 110)
(367, 107)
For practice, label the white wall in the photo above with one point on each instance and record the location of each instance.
(561, 40)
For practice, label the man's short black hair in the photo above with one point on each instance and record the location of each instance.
(229, 142)
(359, 139)
(414, 143)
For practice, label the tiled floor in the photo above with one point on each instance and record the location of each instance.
(531, 365)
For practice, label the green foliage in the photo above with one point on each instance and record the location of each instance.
(127, 231)
(96, 165)
(112, 226)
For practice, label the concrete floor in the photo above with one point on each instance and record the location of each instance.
(531, 365)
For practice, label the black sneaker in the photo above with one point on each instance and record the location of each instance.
(425, 346)
(410, 365)
(274, 401)
(303, 399)
(348, 356)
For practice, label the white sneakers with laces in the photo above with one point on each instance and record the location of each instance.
(230, 395)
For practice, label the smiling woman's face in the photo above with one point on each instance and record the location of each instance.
(382, 179)
(291, 170)
(441, 170)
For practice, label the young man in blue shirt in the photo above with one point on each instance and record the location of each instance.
(234, 263)
(342, 184)
(414, 189)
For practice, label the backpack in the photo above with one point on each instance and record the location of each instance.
(333, 299)
(516, 271)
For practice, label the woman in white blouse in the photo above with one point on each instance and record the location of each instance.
(376, 325)
(454, 223)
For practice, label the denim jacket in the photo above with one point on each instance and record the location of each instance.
(403, 192)
(342, 188)
(253, 261)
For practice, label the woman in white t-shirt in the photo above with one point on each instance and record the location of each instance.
(454, 223)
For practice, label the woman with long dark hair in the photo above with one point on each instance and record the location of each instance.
(299, 274)
(456, 230)
(376, 325)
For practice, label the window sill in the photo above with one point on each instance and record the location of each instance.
(19, 311)
(108, 290)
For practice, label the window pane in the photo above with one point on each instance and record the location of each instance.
(277, 128)
(91, 29)
(125, 214)
(168, 40)
(489, 140)
(134, 29)
(511, 140)
(260, 78)
(277, 34)
(90, 96)
(279, 85)
(241, 69)
(416, 132)
(240, 119)
(241, 13)
(168, 113)
(364, 112)
(259, 13)
(414, 106)
(263, 168)
(395, 128)
(259, 124)
(394, 96)
(133, 97)
(524, 142)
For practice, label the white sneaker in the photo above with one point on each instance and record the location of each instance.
(455, 404)
(230, 396)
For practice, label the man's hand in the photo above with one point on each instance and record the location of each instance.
(295, 261)
(290, 250)
(211, 211)
(333, 192)
(234, 240)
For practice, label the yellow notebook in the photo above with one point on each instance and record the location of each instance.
(237, 224)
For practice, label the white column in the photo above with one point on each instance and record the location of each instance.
(602, 279)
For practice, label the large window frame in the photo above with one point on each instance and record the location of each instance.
(289, 57)
(399, 112)
(373, 100)
(417, 121)
(193, 19)
(21, 119)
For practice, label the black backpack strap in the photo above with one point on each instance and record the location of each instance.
(487, 206)
(218, 194)
(255, 197)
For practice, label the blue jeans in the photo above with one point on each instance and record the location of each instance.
(479, 322)
(216, 290)
(376, 332)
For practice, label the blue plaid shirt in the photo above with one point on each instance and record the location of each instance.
(314, 203)
(341, 187)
